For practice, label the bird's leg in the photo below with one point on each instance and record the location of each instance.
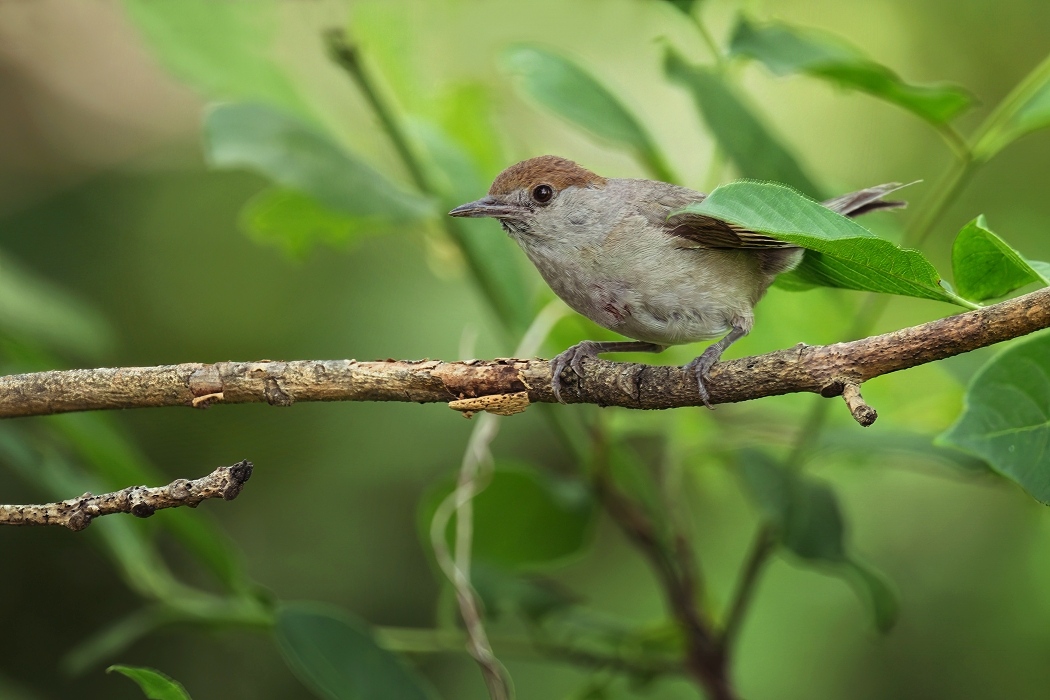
(702, 365)
(590, 349)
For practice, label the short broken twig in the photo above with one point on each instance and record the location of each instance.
(858, 408)
(141, 501)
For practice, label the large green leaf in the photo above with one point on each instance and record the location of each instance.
(841, 252)
(523, 519)
(223, 48)
(985, 267)
(755, 151)
(336, 656)
(785, 49)
(807, 520)
(296, 155)
(1006, 419)
(575, 95)
(154, 684)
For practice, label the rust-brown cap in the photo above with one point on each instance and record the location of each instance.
(557, 172)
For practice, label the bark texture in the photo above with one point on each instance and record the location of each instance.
(141, 501)
(823, 369)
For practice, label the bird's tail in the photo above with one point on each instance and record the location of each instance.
(866, 200)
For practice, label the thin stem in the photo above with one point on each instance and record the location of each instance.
(474, 475)
(446, 641)
(987, 134)
(763, 545)
(956, 141)
(709, 39)
(703, 660)
(346, 56)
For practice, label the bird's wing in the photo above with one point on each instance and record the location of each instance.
(866, 200)
(698, 231)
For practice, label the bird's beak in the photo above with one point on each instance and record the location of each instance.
(491, 207)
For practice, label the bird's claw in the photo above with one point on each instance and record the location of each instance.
(573, 357)
(701, 368)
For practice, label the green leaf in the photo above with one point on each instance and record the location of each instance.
(154, 684)
(32, 309)
(876, 588)
(297, 223)
(755, 151)
(336, 656)
(841, 252)
(808, 522)
(576, 96)
(299, 157)
(804, 511)
(223, 48)
(685, 6)
(985, 267)
(1006, 418)
(785, 49)
(813, 526)
(524, 519)
(531, 597)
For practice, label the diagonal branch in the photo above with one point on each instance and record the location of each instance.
(141, 501)
(823, 369)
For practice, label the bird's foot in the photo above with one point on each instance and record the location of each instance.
(701, 369)
(573, 357)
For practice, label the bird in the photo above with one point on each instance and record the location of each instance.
(616, 251)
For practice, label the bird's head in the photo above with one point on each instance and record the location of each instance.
(539, 196)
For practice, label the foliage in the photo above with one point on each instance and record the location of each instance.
(154, 684)
(337, 657)
(329, 188)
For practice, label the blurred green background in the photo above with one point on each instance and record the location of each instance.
(104, 193)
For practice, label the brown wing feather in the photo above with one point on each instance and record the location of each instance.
(696, 231)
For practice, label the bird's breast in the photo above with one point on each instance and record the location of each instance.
(637, 282)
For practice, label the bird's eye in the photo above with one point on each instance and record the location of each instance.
(543, 193)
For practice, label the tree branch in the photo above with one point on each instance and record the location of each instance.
(141, 501)
(823, 369)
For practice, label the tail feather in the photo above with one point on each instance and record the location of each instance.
(867, 200)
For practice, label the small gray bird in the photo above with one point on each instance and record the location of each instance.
(610, 250)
